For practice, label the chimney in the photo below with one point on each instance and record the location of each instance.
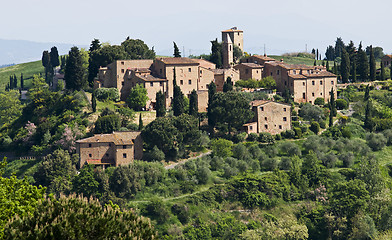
(281, 60)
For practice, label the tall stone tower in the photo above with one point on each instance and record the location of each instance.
(231, 37)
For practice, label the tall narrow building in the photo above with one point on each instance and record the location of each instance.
(231, 37)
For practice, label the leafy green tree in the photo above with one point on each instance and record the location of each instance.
(107, 124)
(17, 197)
(315, 127)
(10, 107)
(74, 71)
(79, 218)
(85, 182)
(237, 53)
(137, 49)
(313, 170)
(193, 101)
(228, 85)
(154, 155)
(363, 64)
(229, 109)
(222, 147)
(177, 52)
(372, 65)
(345, 66)
(341, 104)
(160, 104)
(137, 98)
(311, 112)
(216, 53)
(55, 166)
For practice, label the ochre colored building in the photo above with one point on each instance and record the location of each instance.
(250, 71)
(115, 149)
(269, 116)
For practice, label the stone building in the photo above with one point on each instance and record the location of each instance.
(269, 116)
(386, 60)
(258, 59)
(115, 149)
(306, 83)
(220, 76)
(230, 38)
(250, 71)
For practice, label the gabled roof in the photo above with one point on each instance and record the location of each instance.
(178, 61)
(204, 63)
(257, 103)
(151, 78)
(118, 138)
(264, 58)
(250, 65)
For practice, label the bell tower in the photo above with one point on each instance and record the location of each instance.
(230, 38)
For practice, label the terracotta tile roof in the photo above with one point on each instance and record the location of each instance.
(296, 76)
(248, 124)
(118, 138)
(320, 74)
(234, 29)
(291, 66)
(178, 60)
(222, 71)
(251, 65)
(151, 78)
(204, 63)
(143, 70)
(264, 58)
(258, 102)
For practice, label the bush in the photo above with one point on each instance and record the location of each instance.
(347, 158)
(311, 112)
(239, 137)
(107, 124)
(154, 155)
(388, 135)
(137, 98)
(107, 94)
(315, 127)
(252, 137)
(288, 134)
(322, 124)
(341, 104)
(298, 132)
(266, 138)
(319, 101)
(221, 147)
(376, 141)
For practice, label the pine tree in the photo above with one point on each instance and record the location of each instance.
(160, 104)
(372, 65)
(345, 66)
(140, 122)
(177, 52)
(94, 103)
(21, 81)
(74, 71)
(228, 85)
(382, 73)
(193, 103)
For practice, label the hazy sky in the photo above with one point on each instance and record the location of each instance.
(284, 25)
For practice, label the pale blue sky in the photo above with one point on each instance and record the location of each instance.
(284, 26)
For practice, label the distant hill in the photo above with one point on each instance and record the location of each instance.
(21, 51)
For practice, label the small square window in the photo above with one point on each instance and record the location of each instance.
(189, 69)
(332, 82)
(303, 83)
(303, 95)
(313, 83)
(277, 72)
(107, 154)
(284, 109)
(90, 155)
(181, 82)
(321, 82)
(262, 108)
(285, 83)
(280, 126)
(189, 82)
(151, 84)
(201, 71)
(161, 84)
(312, 94)
(89, 145)
(122, 63)
(265, 118)
(124, 155)
(285, 119)
(124, 146)
(266, 126)
(122, 70)
(250, 127)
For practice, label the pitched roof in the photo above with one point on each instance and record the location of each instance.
(151, 78)
(264, 58)
(256, 103)
(143, 70)
(118, 138)
(178, 60)
(319, 74)
(204, 63)
(251, 65)
(296, 76)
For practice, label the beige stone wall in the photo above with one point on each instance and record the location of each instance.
(202, 97)
(206, 76)
(103, 151)
(251, 127)
(138, 147)
(124, 154)
(186, 77)
(308, 90)
(273, 117)
(249, 73)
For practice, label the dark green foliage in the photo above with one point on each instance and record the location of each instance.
(94, 103)
(354, 69)
(177, 52)
(157, 210)
(332, 107)
(77, 218)
(86, 183)
(311, 112)
(182, 212)
(54, 57)
(216, 53)
(74, 71)
(211, 95)
(376, 141)
(267, 82)
(107, 124)
(330, 53)
(319, 101)
(339, 46)
(363, 64)
(107, 94)
(55, 166)
(154, 155)
(137, 49)
(367, 93)
(21, 81)
(193, 104)
(314, 170)
(228, 85)
(341, 104)
(160, 104)
(230, 109)
(372, 65)
(314, 127)
(140, 122)
(137, 98)
(368, 122)
(345, 66)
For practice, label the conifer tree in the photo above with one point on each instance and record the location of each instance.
(228, 85)
(21, 81)
(372, 65)
(140, 122)
(193, 103)
(363, 64)
(46, 63)
(345, 66)
(354, 69)
(178, 98)
(382, 73)
(317, 54)
(368, 123)
(332, 108)
(216, 53)
(334, 68)
(327, 66)
(54, 57)
(74, 71)
(177, 52)
(94, 103)
(211, 96)
(15, 82)
(367, 93)
(160, 104)
(315, 63)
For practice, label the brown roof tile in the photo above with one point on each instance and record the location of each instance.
(178, 60)
(118, 138)
(251, 65)
(151, 78)
(264, 58)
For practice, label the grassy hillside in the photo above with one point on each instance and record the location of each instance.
(28, 70)
(298, 60)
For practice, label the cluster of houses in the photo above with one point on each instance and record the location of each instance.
(305, 83)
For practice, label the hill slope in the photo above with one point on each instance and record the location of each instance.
(28, 70)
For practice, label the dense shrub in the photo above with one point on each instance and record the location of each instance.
(376, 141)
(104, 94)
(311, 112)
(319, 101)
(107, 124)
(314, 127)
(265, 137)
(252, 137)
(341, 104)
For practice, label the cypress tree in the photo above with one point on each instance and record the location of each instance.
(372, 65)
(334, 68)
(390, 68)
(382, 73)
(140, 122)
(21, 81)
(354, 69)
(11, 83)
(160, 104)
(345, 66)
(367, 93)
(94, 103)
(332, 108)
(177, 52)
(363, 64)
(211, 94)
(178, 98)
(315, 63)
(317, 54)
(193, 103)
(15, 82)
(228, 85)
(368, 123)
(327, 66)
(74, 71)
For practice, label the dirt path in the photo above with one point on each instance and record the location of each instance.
(171, 166)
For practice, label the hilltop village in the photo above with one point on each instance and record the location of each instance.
(115, 142)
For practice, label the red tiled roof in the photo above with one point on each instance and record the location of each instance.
(264, 58)
(251, 65)
(178, 60)
(118, 138)
(150, 78)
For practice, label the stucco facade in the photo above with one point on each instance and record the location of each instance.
(250, 71)
(118, 148)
